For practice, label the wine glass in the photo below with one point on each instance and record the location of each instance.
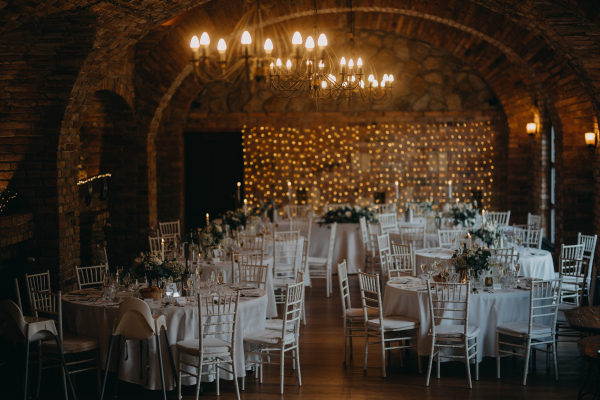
(220, 277)
(423, 267)
(187, 285)
(126, 282)
(106, 284)
(162, 285)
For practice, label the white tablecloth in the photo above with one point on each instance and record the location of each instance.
(534, 263)
(96, 319)
(486, 310)
(227, 275)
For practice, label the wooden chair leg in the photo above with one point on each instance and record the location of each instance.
(466, 343)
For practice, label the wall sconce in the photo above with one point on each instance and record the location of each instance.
(591, 140)
(531, 129)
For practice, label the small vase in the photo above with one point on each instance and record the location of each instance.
(489, 281)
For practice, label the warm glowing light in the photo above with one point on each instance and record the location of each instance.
(359, 62)
(362, 84)
(246, 38)
(321, 64)
(324, 84)
(343, 62)
(371, 78)
(351, 64)
(221, 46)
(375, 83)
(278, 62)
(382, 83)
(332, 77)
(310, 43)
(391, 78)
(322, 40)
(288, 64)
(385, 77)
(195, 43)
(531, 128)
(268, 46)
(297, 38)
(204, 39)
(590, 139)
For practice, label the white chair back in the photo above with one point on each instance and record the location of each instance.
(401, 265)
(292, 309)
(370, 295)
(364, 231)
(398, 248)
(332, 233)
(254, 275)
(384, 208)
(304, 225)
(449, 238)
(285, 249)
(90, 276)
(449, 302)
(413, 234)
(505, 256)
(589, 250)
(134, 321)
(374, 231)
(296, 211)
(49, 305)
(304, 264)
(543, 303)
(573, 273)
(574, 252)
(155, 243)
(251, 242)
(383, 245)
(499, 217)
(389, 222)
(218, 315)
(169, 229)
(534, 238)
(17, 330)
(534, 220)
(344, 286)
(244, 258)
(37, 283)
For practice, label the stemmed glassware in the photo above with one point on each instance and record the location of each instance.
(126, 282)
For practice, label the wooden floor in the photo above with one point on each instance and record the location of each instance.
(324, 376)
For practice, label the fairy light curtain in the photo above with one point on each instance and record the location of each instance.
(356, 164)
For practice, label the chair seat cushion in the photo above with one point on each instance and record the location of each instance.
(395, 322)
(73, 344)
(268, 336)
(523, 327)
(317, 260)
(455, 331)
(211, 345)
(358, 313)
(277, 324)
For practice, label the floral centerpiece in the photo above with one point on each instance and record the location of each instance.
(488, 233)
(151, 266)
(461, 214)
(427, 206)
(476, 259)
(209, 236)
(235, 219)
(348, 215)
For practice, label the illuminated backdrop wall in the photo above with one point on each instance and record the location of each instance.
(357, 159)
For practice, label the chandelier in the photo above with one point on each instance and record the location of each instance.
(310, 69)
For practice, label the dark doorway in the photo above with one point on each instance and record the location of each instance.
(214, 165)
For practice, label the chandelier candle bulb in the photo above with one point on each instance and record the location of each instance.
(310, 44)
(195, 44)
(268, 47)
(278, 62)
(288, 64)
(222, 47)
(321, 65)
(350, 64)
(343, 64)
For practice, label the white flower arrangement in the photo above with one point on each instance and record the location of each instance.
(175, 268)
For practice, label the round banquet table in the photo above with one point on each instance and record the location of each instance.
(227, 276)
(486, 310)
(95, 319)
(534, 263)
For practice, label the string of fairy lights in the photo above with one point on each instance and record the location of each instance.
(317, 165)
